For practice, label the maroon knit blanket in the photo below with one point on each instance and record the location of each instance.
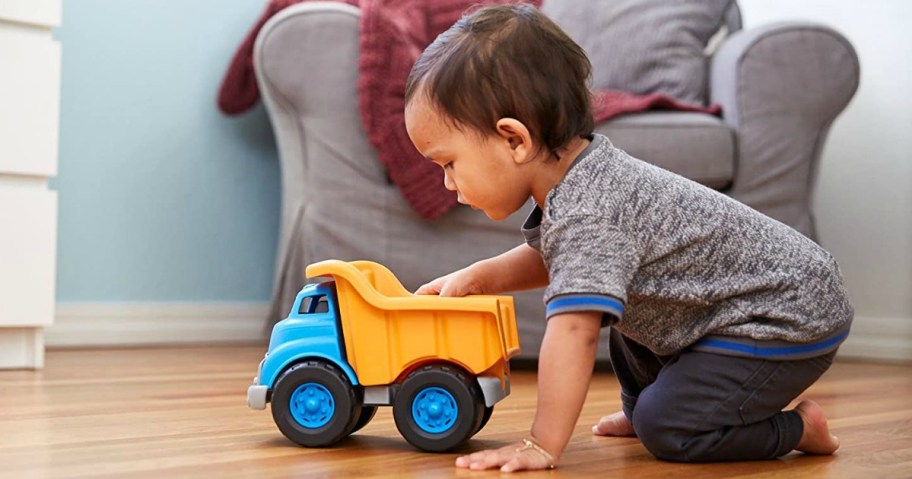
(393, 35)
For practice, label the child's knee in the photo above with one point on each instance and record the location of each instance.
(654, 425)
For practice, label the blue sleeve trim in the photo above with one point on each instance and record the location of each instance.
(578, 302)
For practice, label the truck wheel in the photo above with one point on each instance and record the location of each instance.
(314, 404)
(367, 413)
(486, 415)
(437, 408)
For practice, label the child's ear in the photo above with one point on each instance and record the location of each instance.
(517, 136)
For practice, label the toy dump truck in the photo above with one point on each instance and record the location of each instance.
(359, 340)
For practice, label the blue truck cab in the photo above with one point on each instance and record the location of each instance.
(311, 330)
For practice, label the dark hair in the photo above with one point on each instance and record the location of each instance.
(508, 61)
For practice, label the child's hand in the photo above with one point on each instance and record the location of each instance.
(521, 457)
(459, 283)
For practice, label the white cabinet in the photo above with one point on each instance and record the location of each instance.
(29, 124)
(30, 95)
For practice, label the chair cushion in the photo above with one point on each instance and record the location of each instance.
(644, 46)
(694, 145)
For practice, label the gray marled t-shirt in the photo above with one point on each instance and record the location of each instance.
(674, 264)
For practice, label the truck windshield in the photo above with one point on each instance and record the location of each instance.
(314, 304)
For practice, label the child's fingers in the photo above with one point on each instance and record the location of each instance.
(453, 287)
(426, 289)
(479, 460)
(433, 287)
(448, 289)
(513, 465)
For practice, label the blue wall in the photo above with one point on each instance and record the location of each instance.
(161, 197)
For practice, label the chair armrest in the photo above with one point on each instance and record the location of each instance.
(780, 87)
(306, 61)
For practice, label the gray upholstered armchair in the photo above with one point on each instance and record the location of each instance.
(780, 86)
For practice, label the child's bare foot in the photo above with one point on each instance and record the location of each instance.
(615, 424)
(816, 438)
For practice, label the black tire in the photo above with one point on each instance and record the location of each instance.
(438, 408)
(367, 413)
(486, 415)
(314, 404)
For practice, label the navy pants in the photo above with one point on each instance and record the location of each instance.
(698, 407)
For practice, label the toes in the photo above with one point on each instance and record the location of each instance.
(615, 424)
(604, 427)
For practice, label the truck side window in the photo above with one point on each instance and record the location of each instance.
(305, 306)
(314, 304)
(322, 305)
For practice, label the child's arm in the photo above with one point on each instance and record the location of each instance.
(519, 269)
(564, 371)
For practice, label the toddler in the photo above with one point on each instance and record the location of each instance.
(719, 316)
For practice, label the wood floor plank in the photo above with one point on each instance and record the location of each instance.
(181, 412)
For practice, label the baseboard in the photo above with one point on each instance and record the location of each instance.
(130, 324)
(879, 339)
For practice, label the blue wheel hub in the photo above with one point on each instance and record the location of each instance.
(312, 405)
(434, 410)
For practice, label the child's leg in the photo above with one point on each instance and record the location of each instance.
(708, 407)
(635, 367)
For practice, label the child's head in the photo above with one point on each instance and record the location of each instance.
(508, 61)
(502, 87)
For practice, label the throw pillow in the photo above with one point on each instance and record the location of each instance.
(644, 46)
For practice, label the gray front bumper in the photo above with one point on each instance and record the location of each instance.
(256, 393)
(256, 396)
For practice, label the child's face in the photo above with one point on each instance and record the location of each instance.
(481, 170)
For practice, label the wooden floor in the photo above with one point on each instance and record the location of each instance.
(181, 412)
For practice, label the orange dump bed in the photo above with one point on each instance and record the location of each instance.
(388, 330)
